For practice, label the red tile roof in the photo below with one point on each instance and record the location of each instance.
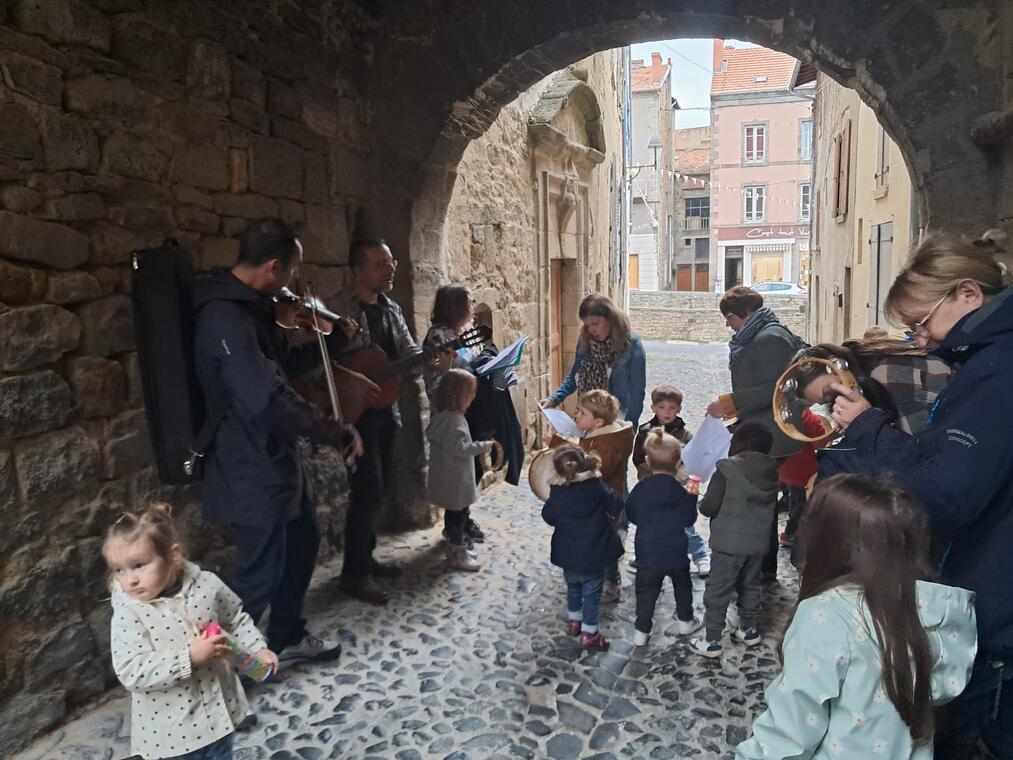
(647, 78)
(745, 65)
(696, 161)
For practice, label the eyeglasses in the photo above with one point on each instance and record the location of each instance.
(917, 328)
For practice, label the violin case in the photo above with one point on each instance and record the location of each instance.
(162, 280)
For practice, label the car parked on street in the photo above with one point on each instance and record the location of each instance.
(779, 289)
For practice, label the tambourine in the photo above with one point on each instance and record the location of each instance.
(541, 473)
(787, 385)
(493, 465)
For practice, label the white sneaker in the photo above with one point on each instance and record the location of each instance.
(686, 627)
(706, 648)
(459, 559)
(311, 648)
(640, 638)
(703, 567)
(610, 593)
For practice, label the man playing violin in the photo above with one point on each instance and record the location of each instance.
(254, 478)
(383, 326)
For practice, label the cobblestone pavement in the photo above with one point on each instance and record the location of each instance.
(467, 666)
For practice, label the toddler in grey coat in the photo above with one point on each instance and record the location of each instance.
(452, 463)
(741, 502)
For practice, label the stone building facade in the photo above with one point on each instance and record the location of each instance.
(674, 315)
(691, 180)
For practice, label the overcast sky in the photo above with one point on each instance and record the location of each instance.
(691, 75)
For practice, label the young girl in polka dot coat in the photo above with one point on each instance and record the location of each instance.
(871, 648)
(186, 699)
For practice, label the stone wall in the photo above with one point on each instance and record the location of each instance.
(122, 123)
(670, 315)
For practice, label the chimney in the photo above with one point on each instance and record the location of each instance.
(717, 64)
(655, 60)
(637, 63)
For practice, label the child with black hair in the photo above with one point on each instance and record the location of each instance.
(741, 501)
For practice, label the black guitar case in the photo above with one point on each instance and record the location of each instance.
(164, 323)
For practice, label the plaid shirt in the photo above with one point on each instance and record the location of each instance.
(913, 383)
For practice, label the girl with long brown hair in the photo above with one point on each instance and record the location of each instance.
(870, 646)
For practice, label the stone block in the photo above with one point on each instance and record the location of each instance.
(325, 235)
(33, 403)
(19, 199)
(295, 132)
(108, 278)
(190, 218)
(246, 205)
(80, 207)
(20, 285)
(30, 46)
(163, 89)
(315, 188)
(8, 496)
(135, 388)
(319, 107)
(98, 386)
(282, 99)
(291, 211)
(81, 62)
(126, 445)
(51, 466)
(208, 73)
(112, 244)
(47, 589)
(239, 170)
(32, 77)
(204, 166)
(193, 197)
(218, 252)
(94, 585)
(141, 156)
(349, 172)
(64, 21)
(276, 167)
(281, 62)
(27, 715)
(108, 97)
(143, 45)
(107, 326)
(69, 143)
(327, 281)
(249, 115)
(72, 287)
(351, 121)
(35, 335)
(19, 136)
(248, 83)
(61, 650)
(22, 237)
(233, 226)
(143, 218)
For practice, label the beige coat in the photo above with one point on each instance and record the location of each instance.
(613, 444)
(175, 708)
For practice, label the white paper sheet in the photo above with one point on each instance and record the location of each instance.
(508, 357)
(709, 444)
(562, 422)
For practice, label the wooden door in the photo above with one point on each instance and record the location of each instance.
(556, 322)
(703, 279)
(684, 277)
(766, 268)
(634, 271)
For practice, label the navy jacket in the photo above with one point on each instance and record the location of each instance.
(662, 510)
(584, 540)
(961, 467)
(253, 472)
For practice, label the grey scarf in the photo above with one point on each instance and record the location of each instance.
(757, 321)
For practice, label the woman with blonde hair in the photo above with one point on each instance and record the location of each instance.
(954, 297)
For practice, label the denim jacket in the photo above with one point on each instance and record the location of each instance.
(627, 379)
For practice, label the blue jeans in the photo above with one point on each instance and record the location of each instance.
(219, 750)
(583, 594)
(983, 711)
(697, 547)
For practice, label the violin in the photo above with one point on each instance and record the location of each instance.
(294, 312)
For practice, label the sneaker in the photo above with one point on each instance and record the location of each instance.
(593, 641)
(686, 627)
(573, 628)
(632, 564)
(706, 648)
(703, 567)
(640, 638)
(468, 540)
(472, 531)
(610, 593)
(311, 648)
(748, 636)
(459, 558)
(248, 723)
(784, 540)
(364, 589)
(384, 570)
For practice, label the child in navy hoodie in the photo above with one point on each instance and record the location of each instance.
(583, 512)
(662, 510)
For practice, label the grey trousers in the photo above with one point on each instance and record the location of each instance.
(732, 572)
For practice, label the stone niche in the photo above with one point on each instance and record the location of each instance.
(121, 124)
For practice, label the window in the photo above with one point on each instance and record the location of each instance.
(805, 140)
(842, 162)
(755, 144)
(702, 249)
(698, 207)
(805, 196)
(754, 206)
(687, 242)
(883, 159)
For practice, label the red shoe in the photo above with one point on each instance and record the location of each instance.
(593, 641)
(573, 627)
(784, 540)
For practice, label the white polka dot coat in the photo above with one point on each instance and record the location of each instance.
(829, 700)
(175, 707)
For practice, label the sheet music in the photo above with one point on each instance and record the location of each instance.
(562, 422)
(508, 357)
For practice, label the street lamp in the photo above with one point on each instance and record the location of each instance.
(653, 145)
